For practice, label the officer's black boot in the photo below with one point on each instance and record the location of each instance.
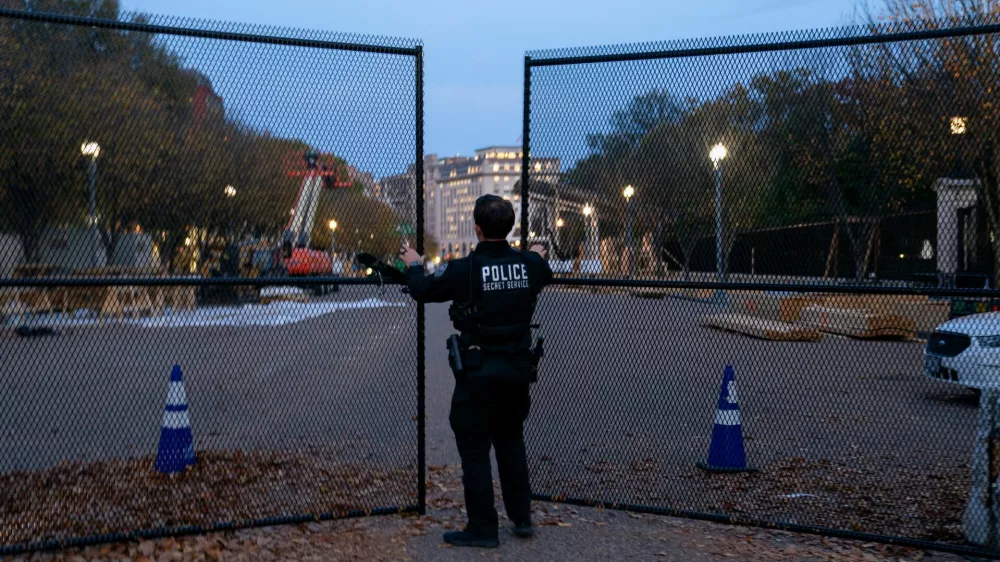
(470, 538)
(524, 529)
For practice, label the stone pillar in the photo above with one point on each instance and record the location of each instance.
(952, 195)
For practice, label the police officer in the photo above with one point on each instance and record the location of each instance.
(493, 290)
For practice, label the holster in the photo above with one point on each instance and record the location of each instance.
(537, 353)
(455, 356)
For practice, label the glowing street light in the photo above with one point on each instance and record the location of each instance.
(628, 192)
(92, 149)
(589, 225)
(560, 223)
(333, 227)
(230, 191)
(717, 155)
(958, 125)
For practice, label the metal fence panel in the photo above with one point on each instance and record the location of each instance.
(189, 340)
(795, 216)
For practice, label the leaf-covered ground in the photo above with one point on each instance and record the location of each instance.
(564, 533)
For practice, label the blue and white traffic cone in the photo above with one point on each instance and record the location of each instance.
(176, 449)
(726, 453)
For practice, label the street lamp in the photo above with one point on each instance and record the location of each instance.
(958, 126)
(230, 193)
(93, 150)
(628, 192)
(560, 223)
(588, 252)
(718, 154)
(333, 227)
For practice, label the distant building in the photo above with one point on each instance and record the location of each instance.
(399, 193)
(365, 179)
(451, 186)
(461, 180)
(205, 103)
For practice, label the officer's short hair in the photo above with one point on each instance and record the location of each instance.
(494, 215)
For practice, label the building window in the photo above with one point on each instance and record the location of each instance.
(496, 178)
(496, 167)
(517, 167)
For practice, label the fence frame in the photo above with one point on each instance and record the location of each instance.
(834, 287)
(417, 53)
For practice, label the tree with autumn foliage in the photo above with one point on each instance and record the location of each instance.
(164, 167)
(927, 83)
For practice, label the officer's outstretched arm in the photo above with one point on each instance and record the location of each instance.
(440, 287)
(540, 267)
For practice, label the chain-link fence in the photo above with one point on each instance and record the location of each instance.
(191, 338)
(809, 217)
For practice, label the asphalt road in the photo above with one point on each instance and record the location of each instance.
(628, 387)
(629, 378)
(345, 380)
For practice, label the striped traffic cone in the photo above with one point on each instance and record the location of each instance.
(176, 449)
(726, 453)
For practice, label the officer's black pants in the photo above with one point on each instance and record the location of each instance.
(486, 412)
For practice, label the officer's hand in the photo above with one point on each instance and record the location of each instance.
(409, 255)
(540, 250)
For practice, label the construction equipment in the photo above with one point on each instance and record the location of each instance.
(296, 258)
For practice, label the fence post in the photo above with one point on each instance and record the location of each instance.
(525, 147)
(982, 514)
(421, 359)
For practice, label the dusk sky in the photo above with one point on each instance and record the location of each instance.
(474, 51)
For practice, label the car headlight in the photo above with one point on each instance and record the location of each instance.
(988, 341)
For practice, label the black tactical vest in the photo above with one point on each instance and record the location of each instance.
(501, 287)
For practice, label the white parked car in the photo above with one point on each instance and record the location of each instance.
(966, 351)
